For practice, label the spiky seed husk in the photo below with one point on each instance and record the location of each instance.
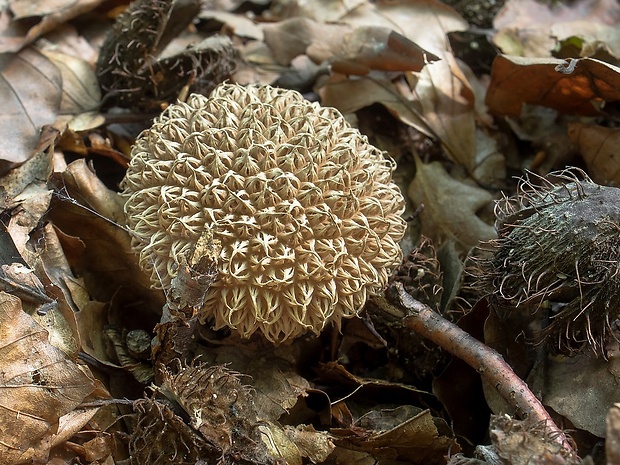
(558, 258)
(304, 208)
(214, 421)
(130, 71)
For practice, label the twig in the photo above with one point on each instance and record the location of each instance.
(486, 361)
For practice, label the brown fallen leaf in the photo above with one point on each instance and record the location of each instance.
(240, 25)
(35, 19)
(86, 209)
(38, 385)
(447, 102)
(351, 95)
(30, 91)
(424, 22)
(316, 445)
(580, 388)
(612, 441)
(349, 50)
(450, 206)
(599, 148)
(80, 89)
(577, 86)
(405, 434)
(535, 29)
(277, 386)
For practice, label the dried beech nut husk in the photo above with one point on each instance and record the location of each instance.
(304, 208)
(557, 259)
(214, 421)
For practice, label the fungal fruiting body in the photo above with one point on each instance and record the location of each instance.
(558, 258)
(304, 208)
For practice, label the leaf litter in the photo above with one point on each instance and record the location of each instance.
(80, 82)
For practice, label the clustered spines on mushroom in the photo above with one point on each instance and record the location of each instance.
(304, 207)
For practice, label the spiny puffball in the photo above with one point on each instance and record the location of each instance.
(304, 208)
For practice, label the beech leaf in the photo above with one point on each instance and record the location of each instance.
(599, 148)
(569, 86)
(30, 91)
(38, 384)
(450, 206)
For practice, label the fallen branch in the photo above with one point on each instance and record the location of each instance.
(486, 361)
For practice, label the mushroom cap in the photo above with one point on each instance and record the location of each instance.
(304, 208)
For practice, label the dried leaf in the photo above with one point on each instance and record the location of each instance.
(405, 434)
(291, 37)
(448, 108)
(322, 11)
(599, 148)
(424, 22)
(534, 29)
(241, 26)
(30, 90)
(316, 445)
(350, 50)
(86, 209)
(52, 14)
(80, 88)
(580, 388)
(579, 87)
(352, 95)
(278, 387)
(450, 206)
(372, 48)
(38, 385)
(612, 438)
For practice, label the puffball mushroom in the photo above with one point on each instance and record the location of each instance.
(303, 206)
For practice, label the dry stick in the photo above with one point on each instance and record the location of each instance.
(486, 361)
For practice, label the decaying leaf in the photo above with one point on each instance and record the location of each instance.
(38, 385)
(352, 95)
(425, 22)
(599, 148)
(450, 206)
(28, 197)
(278, 388)
(447, 107)
(612, 442)
(240, 25)
(80, 89)
(577, 86)
(581, 388)
(537, 29)
(405, 434)
(315, 445)
(31, 90)
(86, 209)
(349, 50)
(519, 443)
(30, 20)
